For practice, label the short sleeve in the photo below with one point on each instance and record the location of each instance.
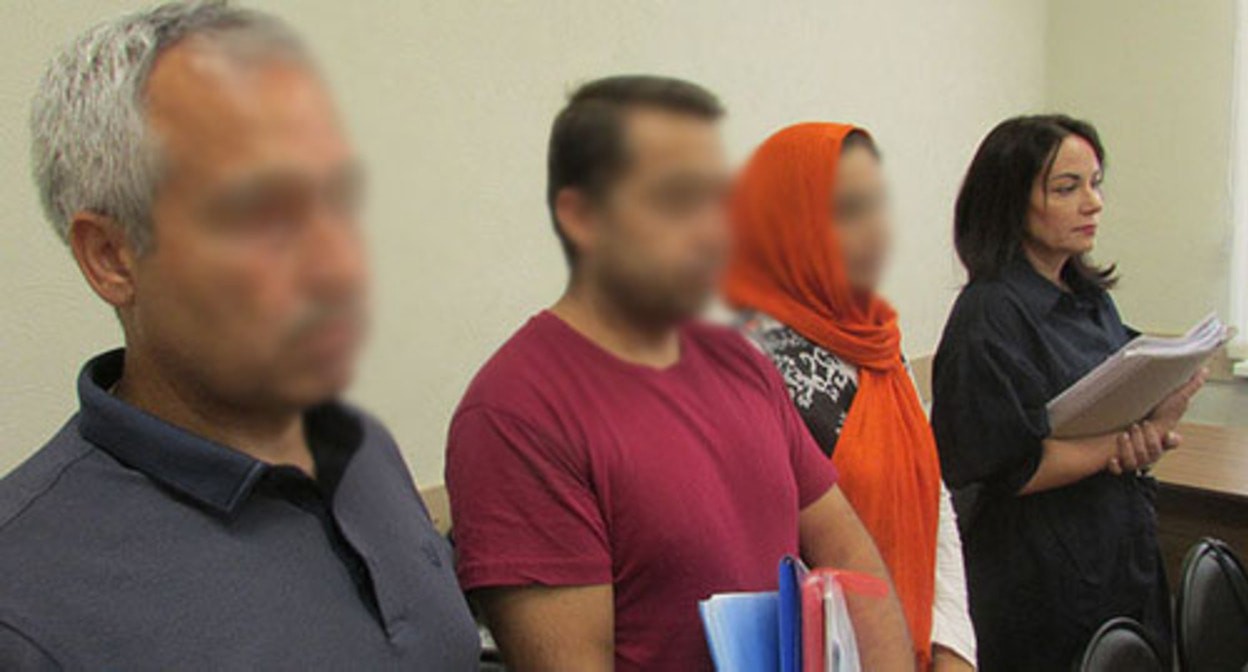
(988, 413)
(812, 469)
(523, 507)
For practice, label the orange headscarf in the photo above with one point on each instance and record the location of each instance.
(787, 264)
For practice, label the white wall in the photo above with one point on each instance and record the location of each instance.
(1155, 76)
(451, 101)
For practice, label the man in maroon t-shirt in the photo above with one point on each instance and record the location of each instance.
(615, 461)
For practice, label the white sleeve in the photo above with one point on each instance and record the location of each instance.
(951, 619)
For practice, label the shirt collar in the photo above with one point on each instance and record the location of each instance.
(212, 475)
(1037, 291)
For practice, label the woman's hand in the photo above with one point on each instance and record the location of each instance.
(1171, 409)
(1143, 444)
(1066, 461)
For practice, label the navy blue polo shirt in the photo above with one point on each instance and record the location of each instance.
(129, 543)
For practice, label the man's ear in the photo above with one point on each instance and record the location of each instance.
(574, 212)
(105, 255)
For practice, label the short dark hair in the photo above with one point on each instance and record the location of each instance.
(990, 218)
(587, 151)
(860, 138)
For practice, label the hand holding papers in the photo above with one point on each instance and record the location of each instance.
(1126, 387)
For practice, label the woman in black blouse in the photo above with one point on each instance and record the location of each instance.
(1058, 535)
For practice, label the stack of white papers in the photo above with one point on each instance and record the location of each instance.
(1126, 387)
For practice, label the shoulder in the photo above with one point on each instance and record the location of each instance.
(1105, 299)
(32, 482)
(57, 516)
(731, 348)
(738, 360)
(986, 309)
(374, 432)
(517, 370)
(986, 301)
(374, 437)
(527, 392)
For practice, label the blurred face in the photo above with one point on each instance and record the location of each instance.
(1066, 204)
(254, 288)
(860, 213)
(660, 236)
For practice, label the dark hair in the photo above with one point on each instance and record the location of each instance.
(587, 149)
(860, 138)
(990, 218)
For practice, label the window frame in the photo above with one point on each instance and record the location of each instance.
(1238, 289)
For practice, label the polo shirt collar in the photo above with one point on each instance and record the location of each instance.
(1037, 291)
(212, 475)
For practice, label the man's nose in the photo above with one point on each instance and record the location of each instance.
(333, 255)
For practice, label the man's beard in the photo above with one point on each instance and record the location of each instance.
(646, 302)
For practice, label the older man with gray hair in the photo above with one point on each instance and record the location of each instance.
(211, 505)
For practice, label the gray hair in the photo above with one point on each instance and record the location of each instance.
(90, 150)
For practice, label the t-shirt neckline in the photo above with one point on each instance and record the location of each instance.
(585, 343)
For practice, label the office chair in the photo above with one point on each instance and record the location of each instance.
(1211, 610)
(1120, 645)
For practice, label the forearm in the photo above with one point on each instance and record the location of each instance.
(1066, 461)
(833, 536)
(541, 629)
(883, 639)
(535, 655)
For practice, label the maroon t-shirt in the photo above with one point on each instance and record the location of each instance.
(569, 466)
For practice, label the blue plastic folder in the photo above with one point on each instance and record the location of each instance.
(741, 631)
(792, 573)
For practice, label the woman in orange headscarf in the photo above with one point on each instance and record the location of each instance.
(812, 235)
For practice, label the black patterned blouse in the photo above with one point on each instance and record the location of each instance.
(822, 385)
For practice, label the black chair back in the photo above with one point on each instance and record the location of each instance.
(1211, 610)
(1120, 645)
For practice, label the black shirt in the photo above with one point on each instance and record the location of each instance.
(822, 385)
(129, 543)
(1043, 570)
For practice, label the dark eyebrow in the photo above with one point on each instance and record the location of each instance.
(1066, 176)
